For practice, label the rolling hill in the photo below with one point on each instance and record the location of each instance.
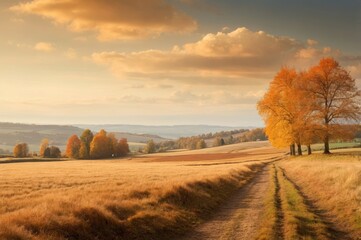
(171, 131)
(13, 133)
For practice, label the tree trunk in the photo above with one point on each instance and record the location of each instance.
(290, 150)
(309, 150)
(293, 148)
(327, 145)
(299, 149)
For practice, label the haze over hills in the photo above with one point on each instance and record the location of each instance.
(32, 134)
(169, 131)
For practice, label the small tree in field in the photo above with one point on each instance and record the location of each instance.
(73, 147)
(21, 150)
(101, 146)
(47, 153)
(43, 145)
(83, 151)
(55, 152)
(86, 138)
(122, 148)
(150, 148)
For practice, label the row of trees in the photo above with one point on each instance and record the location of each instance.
(200, 141)
(222, 134)
(88, 146)
(100, 145)
(21, 150)
(301, 108)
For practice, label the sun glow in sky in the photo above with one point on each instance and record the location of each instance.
(162, 61)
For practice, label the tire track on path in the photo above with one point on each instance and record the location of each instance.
(239, 218)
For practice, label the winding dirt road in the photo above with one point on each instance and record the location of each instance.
(240, 217)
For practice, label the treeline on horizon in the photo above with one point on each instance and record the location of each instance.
(307, 107)
(80, 147)
(105, 145)
(200, 141)
(87, 146)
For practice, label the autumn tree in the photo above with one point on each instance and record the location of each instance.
(83, 151)
(113, 141)
(337, 99)
(122, 148)
(73, 147)
(85, 138)
(54, 152)
(286, 113)
(21, 150)
(43, 145)
(101, 146)
(46, 153)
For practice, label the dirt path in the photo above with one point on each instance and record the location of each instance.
(239, 218)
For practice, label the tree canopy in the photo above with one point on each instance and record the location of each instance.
(301, 108)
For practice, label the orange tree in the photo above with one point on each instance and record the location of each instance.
(336, 98)
(286, 114)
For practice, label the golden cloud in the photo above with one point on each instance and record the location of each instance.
(221, 58)
(44, 47)
(112, 19)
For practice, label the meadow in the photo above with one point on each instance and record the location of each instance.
(314, 197)
(148, 197)
(332, 184)
(165, 195)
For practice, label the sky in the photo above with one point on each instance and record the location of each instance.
(162, 62)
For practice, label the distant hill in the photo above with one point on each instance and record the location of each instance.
(13, 133)
(172, 132)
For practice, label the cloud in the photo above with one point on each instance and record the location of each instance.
(232, 58)
(214, 98)
(185, 97)
(112, 19)
(221, 58)
(44, 47)
(312, 42)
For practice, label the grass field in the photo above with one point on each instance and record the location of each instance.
(150, 197)
(331, 184)
(162, 196)
(314, 197)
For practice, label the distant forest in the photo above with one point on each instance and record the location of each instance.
(212, 139)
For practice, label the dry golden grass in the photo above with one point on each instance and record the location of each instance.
(115, 199)
(333, 184)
